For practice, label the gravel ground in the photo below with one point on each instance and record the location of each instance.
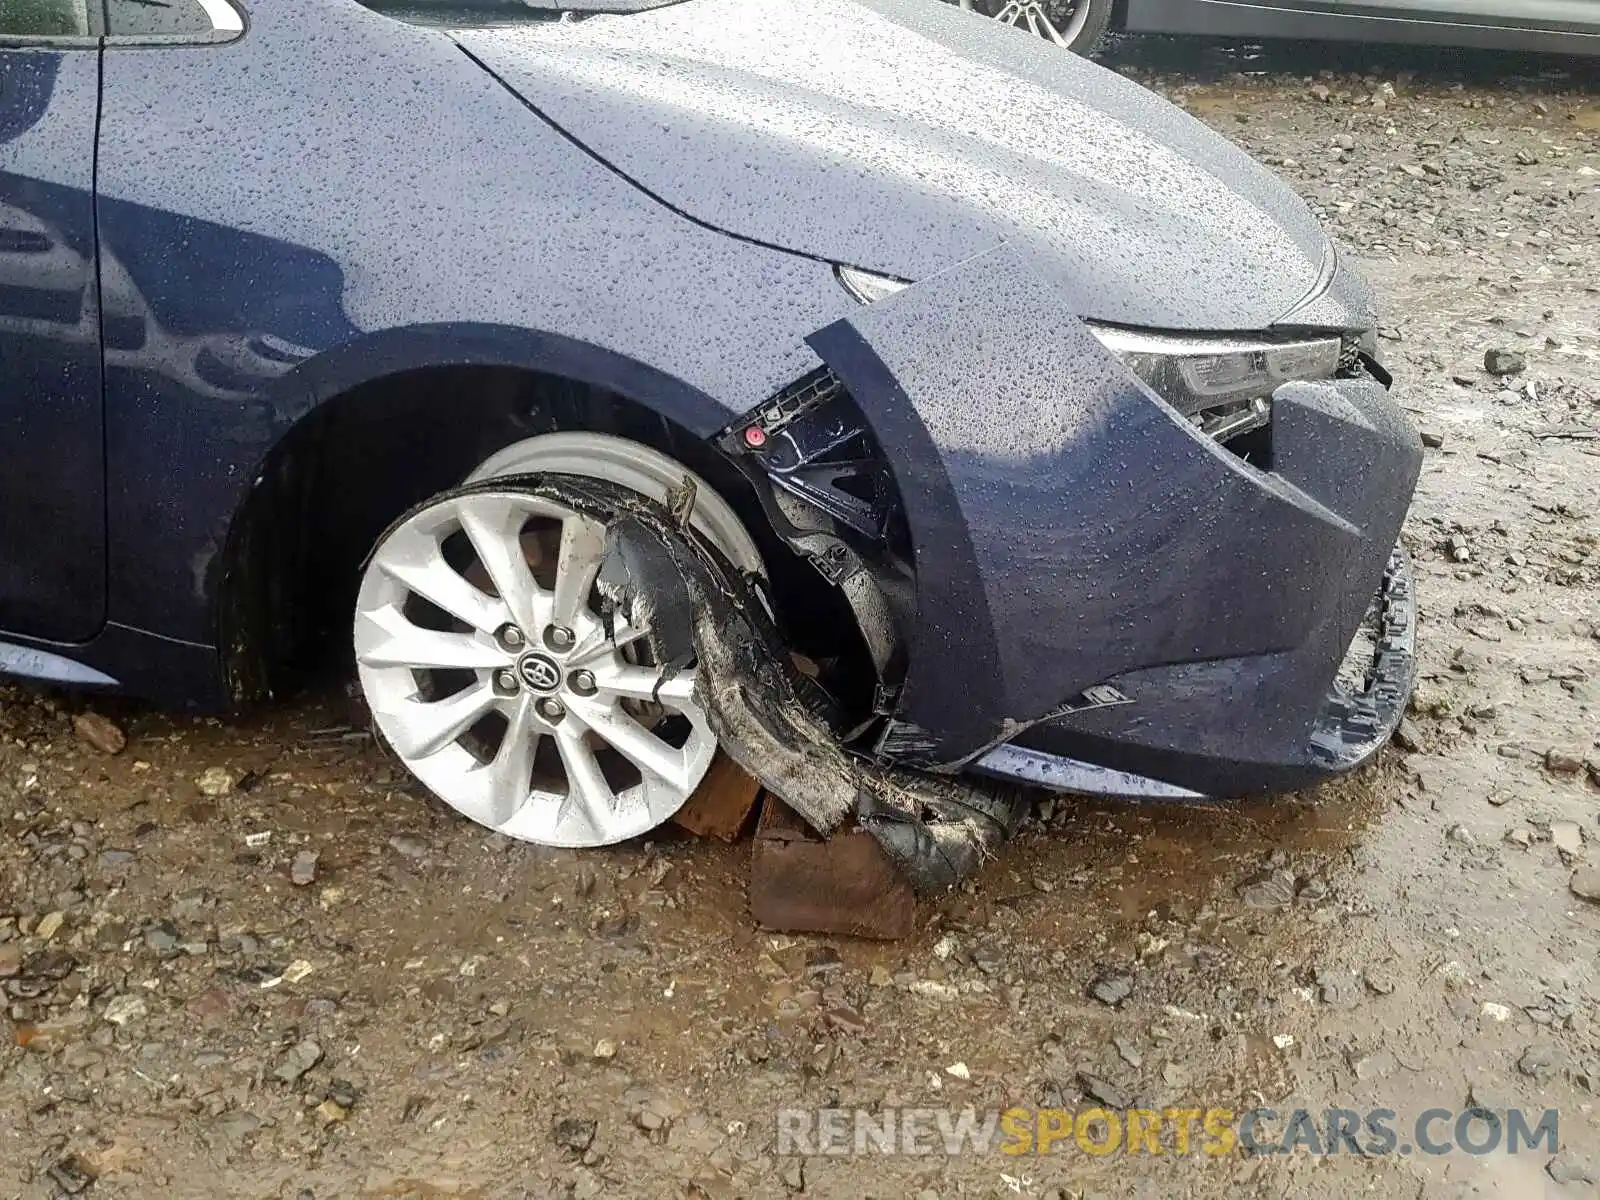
(245, 958)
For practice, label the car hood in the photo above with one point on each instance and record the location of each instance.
(905, 136)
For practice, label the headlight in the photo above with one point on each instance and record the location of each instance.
(1222, 384)
(867, 287)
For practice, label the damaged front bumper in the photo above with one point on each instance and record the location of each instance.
(1104, 594)
(1358, 717)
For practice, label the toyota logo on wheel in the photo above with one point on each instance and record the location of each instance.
(539, 672)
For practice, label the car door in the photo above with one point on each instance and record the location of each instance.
(52, 469)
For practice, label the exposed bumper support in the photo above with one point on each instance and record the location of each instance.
(1355, 725)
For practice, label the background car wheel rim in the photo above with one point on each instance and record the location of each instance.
(1060, 22)
(488, 669)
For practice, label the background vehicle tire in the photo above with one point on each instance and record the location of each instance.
(492, 673)
(1076, 25)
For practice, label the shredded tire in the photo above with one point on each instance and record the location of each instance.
(774, 721)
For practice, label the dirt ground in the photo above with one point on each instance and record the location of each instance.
(198, 1009)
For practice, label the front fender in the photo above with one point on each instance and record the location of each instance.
(251, 247)
(374, 357)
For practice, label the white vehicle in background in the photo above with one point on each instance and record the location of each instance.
(1557, 26)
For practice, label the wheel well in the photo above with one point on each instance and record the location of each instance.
(360, 460)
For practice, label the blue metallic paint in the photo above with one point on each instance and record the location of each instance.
(335, 198)
(1039, 478)
(806, 125)
(382, 260)
(52, 504)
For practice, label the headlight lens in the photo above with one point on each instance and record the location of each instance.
(1222, 384)
(867, 287)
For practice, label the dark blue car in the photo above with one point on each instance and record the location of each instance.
(685, 374)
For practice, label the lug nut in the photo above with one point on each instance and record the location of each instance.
(582, 682)
(510, 637)
(505, 681)
(559, 637)
(551, 709)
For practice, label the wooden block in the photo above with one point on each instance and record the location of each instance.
(720, 806)
(800, 883)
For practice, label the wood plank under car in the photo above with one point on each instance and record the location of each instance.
(801, 883)
(721, 805)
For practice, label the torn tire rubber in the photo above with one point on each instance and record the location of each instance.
(774, 721)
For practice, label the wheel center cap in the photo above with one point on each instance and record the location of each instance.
(539, 672)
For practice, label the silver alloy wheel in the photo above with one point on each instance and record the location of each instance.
(1034, 15)
(635, 466)
(488, 669)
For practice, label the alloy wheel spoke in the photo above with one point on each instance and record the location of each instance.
(423, 728)
(583, 541)
(648, 683)
(511, 772)
(597, 645)
(386, 638)
(1010, 14)
(439, 584)
(494, 527)
(587, 788)
(1050, 30)
(636, 743)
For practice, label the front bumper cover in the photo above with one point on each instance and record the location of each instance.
(1354, 724)
(1099, 582)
